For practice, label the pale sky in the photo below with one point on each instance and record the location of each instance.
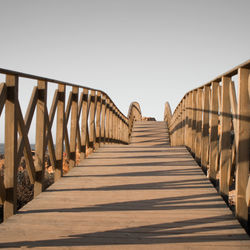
(150, 51)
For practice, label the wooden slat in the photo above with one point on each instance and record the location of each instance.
(92, 120)
(60, 130)
(84, 123)
(242, 145)
(10, 173)
(3, 91)
(107, 134)
(213, 139)
(225, 156)
(205, 128)
(28, 119)
(40, 136)
(111, 114)
(27, 149)
(73, 127)
(98, 119)
(194, 113)
(77, 124)
(198, 127)
(103, 114)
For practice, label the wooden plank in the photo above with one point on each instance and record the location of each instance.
(27, 149)
(111, 114)
(225, 156)
(194, 114)
(3, 91)
(107, 134)
(40, 136)
(60, 130)
(242, 145)
(213, 139)
(79, 148)
(92, 120)
(10, 145)
(98, 119)
(103, 115)
(73, 127)
(84, 123)
(198, 127)
(205, 128)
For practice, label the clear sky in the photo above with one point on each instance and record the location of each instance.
(150, 51)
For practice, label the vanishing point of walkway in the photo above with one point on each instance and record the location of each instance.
(144, 195)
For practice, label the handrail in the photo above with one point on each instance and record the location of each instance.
(134, 114)
(93, 117)
(215, 126)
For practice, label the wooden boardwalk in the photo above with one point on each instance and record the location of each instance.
(146, 195)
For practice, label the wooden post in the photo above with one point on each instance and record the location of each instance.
(213, 140)
(60, 131)
(205, 128)
(186, 120)
(190, 121)
(242, 145)
(107, 134)
(103, 114)
(98, 119)
(198, 127)
(225, 156)
(10, 173)
(111, 114)
(73, 127)
(92, 120)
(194, 107)
(84, 124)
(40, 136)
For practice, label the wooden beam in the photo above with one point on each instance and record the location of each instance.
(10, 173)
(60, 130)
(98, 119)
(103, 114)
(205, 128)
(198, 127)
(242, 145)
(2, 190)
(225, 142)
(73, 127)
(40, 136)
(84, 123)
(92, 120)
(213, 139)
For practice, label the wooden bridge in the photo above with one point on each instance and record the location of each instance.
(132, 183)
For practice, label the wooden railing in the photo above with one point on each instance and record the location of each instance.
(94, 120)
(214, 124)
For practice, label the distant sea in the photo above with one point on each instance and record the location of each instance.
(2, 147)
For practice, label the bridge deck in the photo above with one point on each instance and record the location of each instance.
(145, 195)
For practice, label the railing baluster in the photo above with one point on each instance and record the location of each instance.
(10, 178)
(225, 159)
(84, 124)
(98, 119)
(213, 140)
(242, 145)
(73, 127)
(60, 130)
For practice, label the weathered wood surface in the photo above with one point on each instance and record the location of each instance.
(146, 195)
